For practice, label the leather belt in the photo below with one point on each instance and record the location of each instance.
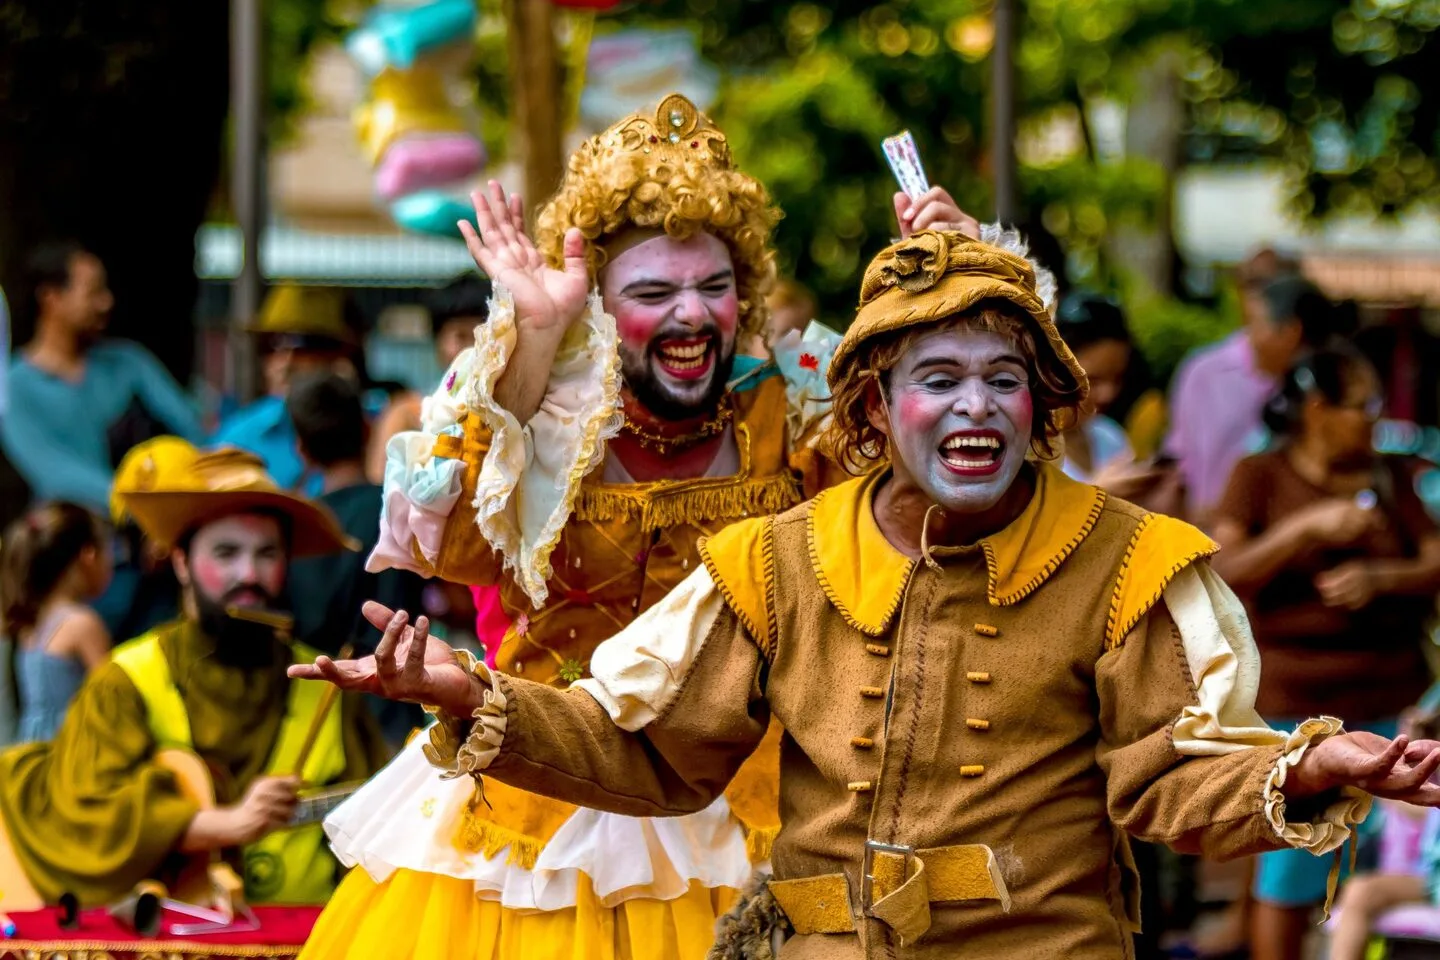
(898, 887)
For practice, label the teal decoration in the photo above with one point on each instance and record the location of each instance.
(431, 212)
(397, 36)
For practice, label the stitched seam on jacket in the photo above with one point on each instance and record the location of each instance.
(919, 672)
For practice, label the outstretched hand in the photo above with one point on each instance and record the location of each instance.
(1391, 769)
(544, 297)
(408, 664)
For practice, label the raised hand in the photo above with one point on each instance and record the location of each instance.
(934, 209)
(544, 297)
(408, 664)
(1391, 769)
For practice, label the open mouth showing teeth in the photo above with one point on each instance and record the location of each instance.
(972, 451)
(684, 355)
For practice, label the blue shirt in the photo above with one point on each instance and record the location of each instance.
(264, 428)
(54, 430)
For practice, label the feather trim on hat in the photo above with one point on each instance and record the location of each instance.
(1011, 240)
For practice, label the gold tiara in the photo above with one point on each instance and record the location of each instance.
(677, 133)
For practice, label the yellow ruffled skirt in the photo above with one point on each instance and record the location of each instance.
(426, 916)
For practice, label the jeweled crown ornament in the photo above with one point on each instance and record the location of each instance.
(677, 132)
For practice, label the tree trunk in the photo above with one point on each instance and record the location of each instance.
(1153, 128)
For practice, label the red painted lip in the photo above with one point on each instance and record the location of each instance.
(985, 471)
(695, 373)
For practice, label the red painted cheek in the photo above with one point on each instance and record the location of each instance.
(211, 576)
(914, 414)
(636, 326)
(270, 574)
(727, 314)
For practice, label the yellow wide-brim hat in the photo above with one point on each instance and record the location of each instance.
(172, 503)
(292, 310)
(156, 463)
(936, 274)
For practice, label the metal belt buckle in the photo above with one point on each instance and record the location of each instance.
(867, 869)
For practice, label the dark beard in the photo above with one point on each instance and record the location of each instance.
(239, 643)
(647, 388)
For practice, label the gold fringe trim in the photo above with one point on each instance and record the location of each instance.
(488, 839)
(656, 507)
(760, 843)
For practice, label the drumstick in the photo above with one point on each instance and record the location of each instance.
(327, 701)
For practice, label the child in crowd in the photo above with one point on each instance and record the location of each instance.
(54, 560)
(1409, 868)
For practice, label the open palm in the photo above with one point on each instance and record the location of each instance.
(1392, 769)
(544, 296)
(408, 664)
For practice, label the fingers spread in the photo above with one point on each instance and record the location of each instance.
(389, 642)
(377, 614)
(419, 640)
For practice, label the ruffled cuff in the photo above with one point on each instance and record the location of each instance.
(1333, 826)
(467, 746)
(531, 476)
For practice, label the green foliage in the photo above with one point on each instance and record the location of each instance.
(292, 29)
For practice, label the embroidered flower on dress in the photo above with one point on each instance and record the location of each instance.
(450, 381)
(522, 625)
(808, 361)
(571, 670)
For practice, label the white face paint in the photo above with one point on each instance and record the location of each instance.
(960, 415)
(676, 309)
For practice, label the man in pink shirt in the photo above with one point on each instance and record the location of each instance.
(1221, 390)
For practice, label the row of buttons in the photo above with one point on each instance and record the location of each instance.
(875, 693)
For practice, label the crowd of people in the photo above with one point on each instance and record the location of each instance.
(598, 466)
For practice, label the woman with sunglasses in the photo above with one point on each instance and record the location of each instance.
(1333, 553)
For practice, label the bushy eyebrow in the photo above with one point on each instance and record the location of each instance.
(725, 274)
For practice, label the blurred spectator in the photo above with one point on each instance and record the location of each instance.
(1221, 390)
(157, 591)
(55, 560)
(78, 401)
(792, 307)
(328, 592)
(1407, 356)
(455, 310)
(1409, 858)
(1097, 449)
(301, 330)
(1338, 563)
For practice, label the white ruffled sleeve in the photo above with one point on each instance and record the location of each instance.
(530, 475)
(1225, 668)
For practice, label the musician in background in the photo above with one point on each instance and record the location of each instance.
(98, 809)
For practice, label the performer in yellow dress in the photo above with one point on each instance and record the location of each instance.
(601, 425)
(990, 675)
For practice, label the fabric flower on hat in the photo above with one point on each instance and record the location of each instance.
(918, 264)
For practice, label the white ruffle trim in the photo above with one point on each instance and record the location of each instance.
(531, 476)
(1336, 823)
(406, 816)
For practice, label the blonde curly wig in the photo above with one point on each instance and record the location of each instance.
(671, 171)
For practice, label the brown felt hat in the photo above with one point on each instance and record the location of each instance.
(223, 483)
(936, 274)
